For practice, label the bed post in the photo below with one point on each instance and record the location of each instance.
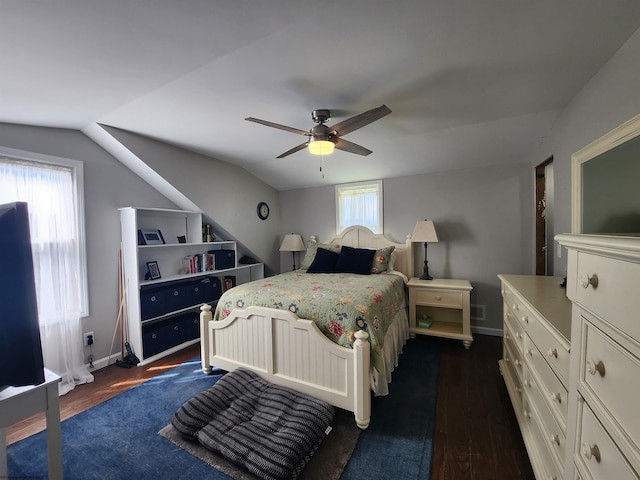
(409, 262)
(362, 399)
(205, 317)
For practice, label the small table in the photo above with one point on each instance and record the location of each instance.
(444, 305)
(17, 403)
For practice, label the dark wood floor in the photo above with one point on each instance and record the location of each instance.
(476, 437)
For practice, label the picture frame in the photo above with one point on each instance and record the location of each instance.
(150, 236)
(154, 270)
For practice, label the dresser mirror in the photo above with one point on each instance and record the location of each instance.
(605, 179)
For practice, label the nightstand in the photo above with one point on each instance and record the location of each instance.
(442, 304)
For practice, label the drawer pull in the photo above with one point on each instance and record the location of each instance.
(530, 353)
(516, 307)
(554, 439)
(528, 383)
(556, 397)
(519, 389)
(506, 336)
(527, 413)
(586, 280)
(438, 297)
(519, 335)
(594, 367)
(525, 319)
(589, 451)
(552, 352)
(518, 362)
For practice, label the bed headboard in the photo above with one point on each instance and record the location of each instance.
(361, 237)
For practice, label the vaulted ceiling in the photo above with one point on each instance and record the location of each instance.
(469, 82)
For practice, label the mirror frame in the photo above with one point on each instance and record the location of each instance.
(625, 132)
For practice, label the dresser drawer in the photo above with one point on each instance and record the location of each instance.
(555, 353)
(543, 461)
(553, 432)
(513, 340)
(552, 388)
(514, 356)
(516, 306)
(514, 386)
(596, 452)
(615, 297)
(610, 374)
(515, 326)
(439, 299)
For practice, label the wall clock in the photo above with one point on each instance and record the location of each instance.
(263, 210)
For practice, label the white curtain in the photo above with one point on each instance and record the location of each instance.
(359, 205)
(53, 219)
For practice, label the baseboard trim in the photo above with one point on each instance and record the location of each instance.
(495, 332)
(104, 362)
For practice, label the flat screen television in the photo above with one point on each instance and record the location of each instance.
(21, 360)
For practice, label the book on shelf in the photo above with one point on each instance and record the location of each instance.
(203, 262)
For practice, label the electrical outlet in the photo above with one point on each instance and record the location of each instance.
(86, 337)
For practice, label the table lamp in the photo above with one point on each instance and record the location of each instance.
(425, 232)
(292, 243)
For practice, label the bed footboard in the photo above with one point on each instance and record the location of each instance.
(292, 352)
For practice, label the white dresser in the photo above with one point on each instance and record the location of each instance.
(604, 391)
(535, 366)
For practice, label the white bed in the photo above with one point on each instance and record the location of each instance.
(293, 352)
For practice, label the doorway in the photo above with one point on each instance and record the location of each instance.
(544, 217)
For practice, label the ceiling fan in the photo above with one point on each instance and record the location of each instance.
(323, 139)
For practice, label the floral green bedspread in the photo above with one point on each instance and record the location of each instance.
(339, 303)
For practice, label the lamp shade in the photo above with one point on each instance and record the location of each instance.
(292, 243)
(425, 231)
(320, 147)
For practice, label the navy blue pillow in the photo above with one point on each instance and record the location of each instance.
(325, 261)
(355, 260)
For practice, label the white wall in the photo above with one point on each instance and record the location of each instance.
(483, 218)
(108, 185)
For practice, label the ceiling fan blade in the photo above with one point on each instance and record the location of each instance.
(277, 125)
(351, 147)
(294, 150)
(359, 121)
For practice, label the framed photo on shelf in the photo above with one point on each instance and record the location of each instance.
(148, 236)
(154, 270)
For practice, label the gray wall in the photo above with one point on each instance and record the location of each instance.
(228, 195)
(611, 98)
(108, 185)
(483, 218)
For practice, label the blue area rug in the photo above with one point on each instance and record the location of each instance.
(119, 438)
(398, 444)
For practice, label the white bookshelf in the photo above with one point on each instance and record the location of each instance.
(169, 324)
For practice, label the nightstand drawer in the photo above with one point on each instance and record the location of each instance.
(439, 299)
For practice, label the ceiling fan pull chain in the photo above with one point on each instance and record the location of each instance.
(321, 165)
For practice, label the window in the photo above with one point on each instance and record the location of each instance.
(359, 204)
(52, 187)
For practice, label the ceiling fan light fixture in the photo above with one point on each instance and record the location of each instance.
(321, 147)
